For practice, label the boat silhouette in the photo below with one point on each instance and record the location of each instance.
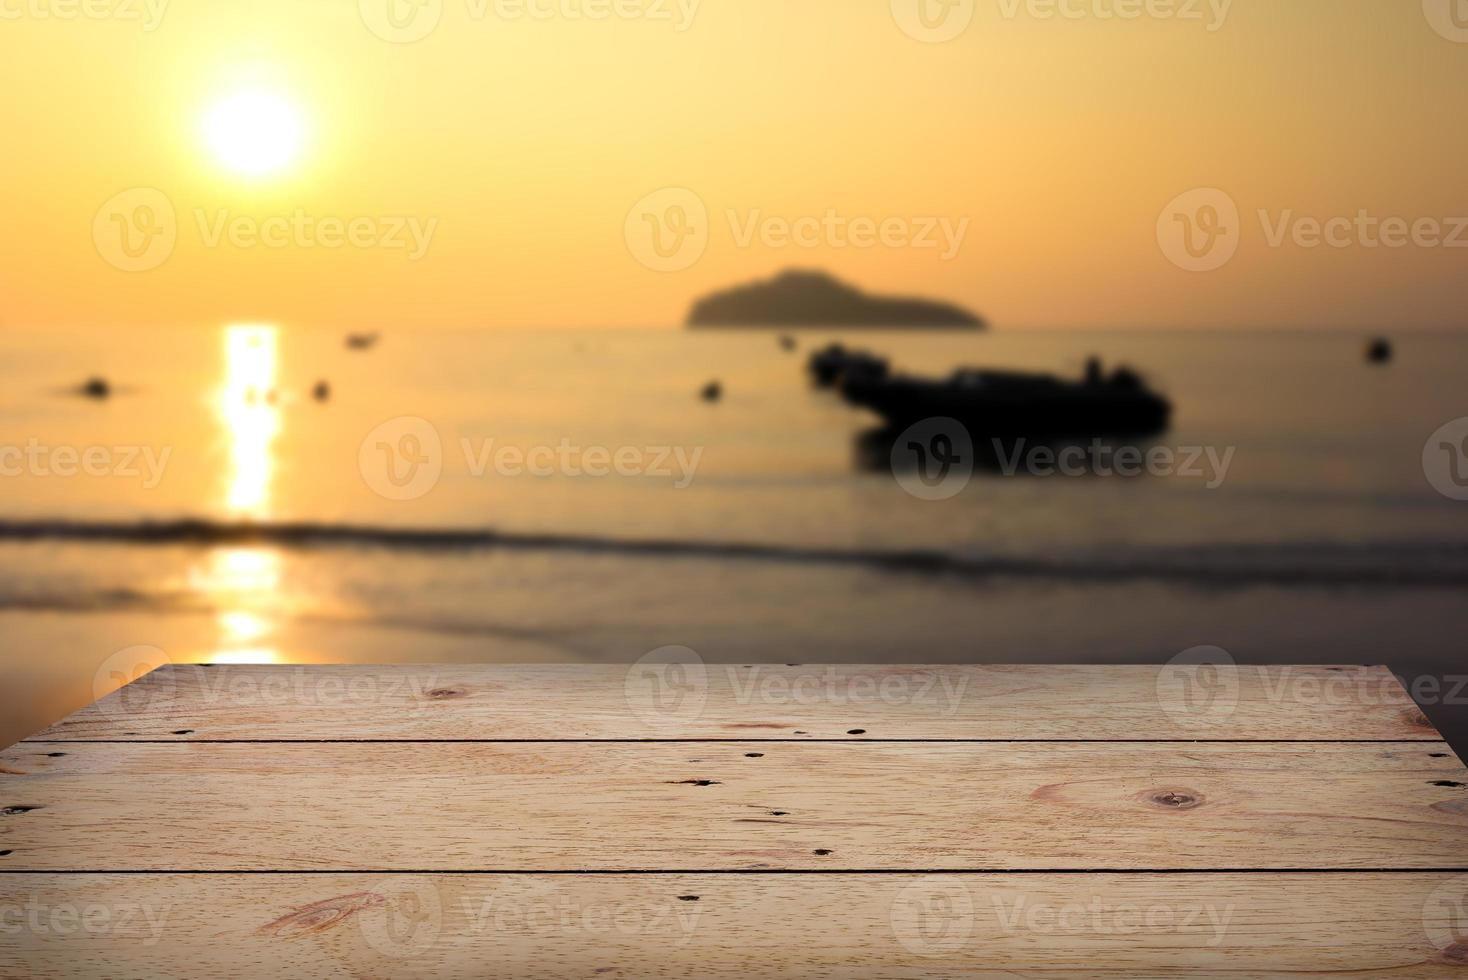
(835, 363)
(1014, 405)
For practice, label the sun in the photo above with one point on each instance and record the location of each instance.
(254, 132)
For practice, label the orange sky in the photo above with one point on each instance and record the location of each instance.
(486, 173)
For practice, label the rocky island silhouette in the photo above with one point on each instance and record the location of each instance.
(810, 298)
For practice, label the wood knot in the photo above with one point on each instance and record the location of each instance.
(1457, 808)
(321, 916)
(15, 811)
(447, 693)
(1172, 799)
(1456, 954)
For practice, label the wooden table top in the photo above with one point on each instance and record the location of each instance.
(682, 819)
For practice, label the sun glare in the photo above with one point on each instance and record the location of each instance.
(254, 132)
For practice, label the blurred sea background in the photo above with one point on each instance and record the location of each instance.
(1324, 543)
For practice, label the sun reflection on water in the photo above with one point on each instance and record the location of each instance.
(250, 416)
(244, 582)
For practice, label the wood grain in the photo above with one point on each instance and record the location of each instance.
(213, 927)
(731, 805)
(696, 701)
(700, 820)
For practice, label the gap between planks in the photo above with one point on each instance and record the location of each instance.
(854, 740)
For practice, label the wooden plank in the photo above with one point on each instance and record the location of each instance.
(697, 701)
(447, 806)
(213, 927)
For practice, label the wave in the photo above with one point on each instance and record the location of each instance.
(1380, 564)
